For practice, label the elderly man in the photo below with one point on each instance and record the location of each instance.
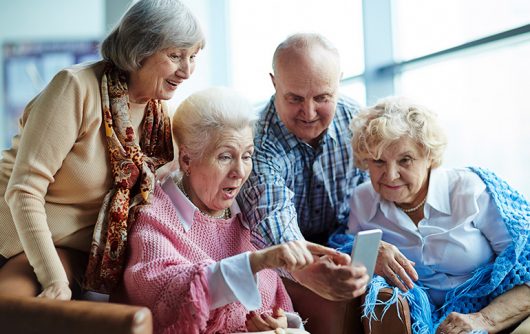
(303, 169)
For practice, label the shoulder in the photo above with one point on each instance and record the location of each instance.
(84, 73)
(347, 105)
(159, 214)
(82, 80)
(464, 182)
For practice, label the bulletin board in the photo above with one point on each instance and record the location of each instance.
(28, 67)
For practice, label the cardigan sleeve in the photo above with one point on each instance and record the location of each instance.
(50, 126)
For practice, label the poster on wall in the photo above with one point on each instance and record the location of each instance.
(28, 67)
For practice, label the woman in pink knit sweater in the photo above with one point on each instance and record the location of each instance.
(191, 260)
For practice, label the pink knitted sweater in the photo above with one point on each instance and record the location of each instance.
(167, 270)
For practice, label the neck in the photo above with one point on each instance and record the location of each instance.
(222, 214)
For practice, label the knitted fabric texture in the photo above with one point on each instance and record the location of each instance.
(167, 270)
(511, 268)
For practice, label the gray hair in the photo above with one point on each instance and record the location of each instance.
(149, 26)
(303, 41)
(376, 128)
(203, 116)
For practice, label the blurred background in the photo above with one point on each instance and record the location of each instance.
(467, 60)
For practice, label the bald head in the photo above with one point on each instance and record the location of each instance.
(305, 47)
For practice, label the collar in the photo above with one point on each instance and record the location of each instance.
(186, 209)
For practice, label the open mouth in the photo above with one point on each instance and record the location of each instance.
(230, 190)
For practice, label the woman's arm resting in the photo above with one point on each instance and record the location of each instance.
(504, 311)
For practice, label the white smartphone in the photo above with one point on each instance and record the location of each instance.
(365, 249)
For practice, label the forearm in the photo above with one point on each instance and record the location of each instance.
(35, 237)
(508, 309)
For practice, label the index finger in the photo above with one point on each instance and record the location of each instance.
(317, 249)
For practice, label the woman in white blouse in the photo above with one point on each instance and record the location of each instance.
(438, 224)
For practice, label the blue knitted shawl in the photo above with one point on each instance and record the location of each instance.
(510, 268)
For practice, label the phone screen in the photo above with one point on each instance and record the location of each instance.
(365, 249)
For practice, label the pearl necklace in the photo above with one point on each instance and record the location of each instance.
(414, 208)
(225, 215)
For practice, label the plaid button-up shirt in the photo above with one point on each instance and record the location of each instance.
(296, 190)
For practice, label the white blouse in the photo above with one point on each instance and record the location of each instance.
(461, 229)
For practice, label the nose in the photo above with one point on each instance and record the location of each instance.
(238, 169)
(185, 69)
(392, 172)
(309, 109)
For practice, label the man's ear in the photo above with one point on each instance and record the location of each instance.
(272, 79)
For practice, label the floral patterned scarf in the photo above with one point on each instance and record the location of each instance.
(133, 170)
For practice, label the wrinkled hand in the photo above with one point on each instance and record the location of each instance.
(57, 290)
(334, 278)
(395, 267)
(464, 323)
(292, 255)
(265, 322)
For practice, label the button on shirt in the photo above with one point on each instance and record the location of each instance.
(295, 189)
(461, 230)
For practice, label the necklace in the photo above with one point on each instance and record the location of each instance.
(225, 215)
(414, 208)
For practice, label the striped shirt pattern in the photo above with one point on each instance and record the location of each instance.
(296, 190)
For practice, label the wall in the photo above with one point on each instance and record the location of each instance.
(50, 20)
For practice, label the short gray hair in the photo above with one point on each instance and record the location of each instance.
(303, 41)
(149, 26)
(376, 128)
(203, 116)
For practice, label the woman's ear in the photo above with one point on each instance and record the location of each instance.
(184, 159)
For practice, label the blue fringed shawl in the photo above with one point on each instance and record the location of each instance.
(510, 268)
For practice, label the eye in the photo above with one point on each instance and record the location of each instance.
(406, 161)
(247, 157)
(322, 98)
(174, 56)
(378, 162)
(224, 157)
(294, 99)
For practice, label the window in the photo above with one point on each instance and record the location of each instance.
(257, 27)
(479, 93)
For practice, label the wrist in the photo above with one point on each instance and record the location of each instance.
(488, 320)
(255, 259)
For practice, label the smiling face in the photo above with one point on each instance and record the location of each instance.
(401, 174)
(161, 74)
(215, 180)
(306, 83)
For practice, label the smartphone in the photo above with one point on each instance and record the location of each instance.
(365, 249)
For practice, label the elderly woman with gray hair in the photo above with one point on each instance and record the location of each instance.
(87, 152)
(191, 259)
(464, 230)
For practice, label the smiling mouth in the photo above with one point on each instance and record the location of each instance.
(173, 83)
(304, 122)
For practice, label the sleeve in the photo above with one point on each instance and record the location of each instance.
(490, 223)
(51, 124)
(231, 280)
(266, 199)
(176, 289)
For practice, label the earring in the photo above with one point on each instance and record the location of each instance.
(187, 172)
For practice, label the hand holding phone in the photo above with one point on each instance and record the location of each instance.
(365, 249)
